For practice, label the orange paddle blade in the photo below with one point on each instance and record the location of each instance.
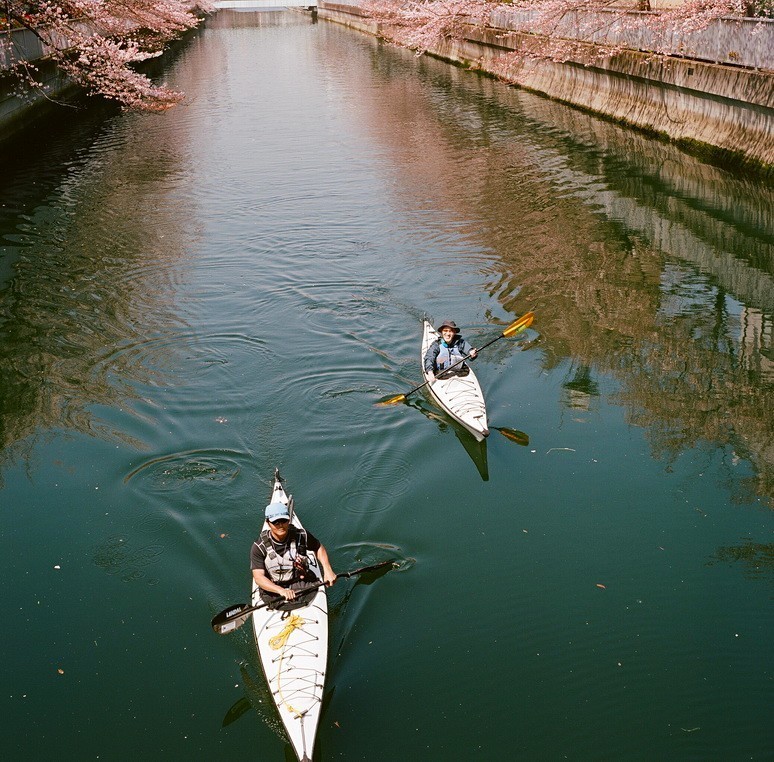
(393, 400)
(525, 321)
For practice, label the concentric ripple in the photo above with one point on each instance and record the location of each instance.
(378, 481)
(176, 471)
(119, 557)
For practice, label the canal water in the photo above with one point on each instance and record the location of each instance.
(188, 300)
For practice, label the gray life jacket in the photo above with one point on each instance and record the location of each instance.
(448, 355)
(282, 567)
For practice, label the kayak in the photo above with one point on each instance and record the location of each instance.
(293, 649)
(459, 396)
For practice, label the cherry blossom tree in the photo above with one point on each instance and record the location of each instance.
(559, 30)
(96, 43)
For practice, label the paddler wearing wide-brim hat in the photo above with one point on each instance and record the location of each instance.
(447, 350)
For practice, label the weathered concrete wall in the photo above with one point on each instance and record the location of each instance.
(17, 111)
(723, 112)
(25, 45)
(19, 105)
(739, 41)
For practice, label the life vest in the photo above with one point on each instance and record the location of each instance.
(283, 568)
(448, 355)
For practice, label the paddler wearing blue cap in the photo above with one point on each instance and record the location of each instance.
(286, 559)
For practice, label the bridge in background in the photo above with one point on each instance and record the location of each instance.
(248, 5)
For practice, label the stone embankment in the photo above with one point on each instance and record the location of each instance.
(20, 105)
(713, 95)
(17, 109)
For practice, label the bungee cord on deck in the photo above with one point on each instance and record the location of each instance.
(301, 687)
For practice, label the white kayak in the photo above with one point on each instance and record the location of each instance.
(460, 396)
(293, 648)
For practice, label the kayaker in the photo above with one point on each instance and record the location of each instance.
(285, 560)
(446, 351)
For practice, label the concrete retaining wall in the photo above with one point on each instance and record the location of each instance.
(722, 112)
(25, 45)
(739, 41)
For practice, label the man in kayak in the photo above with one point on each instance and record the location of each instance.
(285, 559)
(446, 351)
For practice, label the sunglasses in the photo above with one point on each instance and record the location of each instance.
(279, 522)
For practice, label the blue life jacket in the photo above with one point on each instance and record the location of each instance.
(448, 355)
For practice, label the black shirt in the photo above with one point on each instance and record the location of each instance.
(258, 551)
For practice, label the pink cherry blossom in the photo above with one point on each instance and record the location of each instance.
(96, 42)
(559, 30)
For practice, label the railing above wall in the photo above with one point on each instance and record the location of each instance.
(739, 41)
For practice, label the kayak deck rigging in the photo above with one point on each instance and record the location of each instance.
(295, 683)
(293, 650)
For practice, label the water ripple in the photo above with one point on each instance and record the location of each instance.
(117, 556)
(368, 553)
(176, 471)
(379, 479)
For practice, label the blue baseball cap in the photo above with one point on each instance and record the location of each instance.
(277, 511)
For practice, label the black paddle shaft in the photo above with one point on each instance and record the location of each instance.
(234, 616)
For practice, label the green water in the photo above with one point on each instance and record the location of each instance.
(188, 300)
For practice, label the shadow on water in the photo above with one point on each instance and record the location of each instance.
(476, 450)
(236, 710)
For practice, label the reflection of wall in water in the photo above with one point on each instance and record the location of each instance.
(757, 344)
(581, 391)
(637, 258)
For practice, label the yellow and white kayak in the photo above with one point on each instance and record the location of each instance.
(293, 649)
(459, 395)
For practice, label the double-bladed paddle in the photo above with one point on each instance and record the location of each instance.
(235, 616)
(516, 327)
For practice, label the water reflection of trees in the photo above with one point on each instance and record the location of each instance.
(91, 227)
(88, 272)
(757, 558)
(704, 391)
(642, 262)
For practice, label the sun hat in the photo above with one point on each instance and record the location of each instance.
(277, 511)
(449, 324)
